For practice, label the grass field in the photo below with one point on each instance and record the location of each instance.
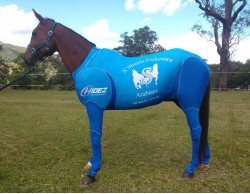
(44, 145)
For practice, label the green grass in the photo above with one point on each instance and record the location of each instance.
(44, 145)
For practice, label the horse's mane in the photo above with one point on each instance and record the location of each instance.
(71, 30)
(50, 19)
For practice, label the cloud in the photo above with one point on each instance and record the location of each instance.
(16, 25)
(147, 20)
(130, 5)
(194, 43)
(242, 51)
(168, 7)
(184, 4)
(206, 49)
(99, 29)
(100, 34)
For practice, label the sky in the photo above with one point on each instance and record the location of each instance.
(103, 21)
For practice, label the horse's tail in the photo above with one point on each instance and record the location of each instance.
(204, 121)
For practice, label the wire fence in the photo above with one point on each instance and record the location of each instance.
(232, 75)
(70, 86)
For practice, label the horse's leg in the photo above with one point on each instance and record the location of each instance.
(192, 86)
(95, 115)
(204, 154)
(205, 158)
(192, 116)
(194, 119)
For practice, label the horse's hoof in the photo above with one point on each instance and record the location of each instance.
(87, 181)
(186, 175)
(203, 167)
(88, 166)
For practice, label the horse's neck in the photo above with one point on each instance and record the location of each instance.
(72, 48)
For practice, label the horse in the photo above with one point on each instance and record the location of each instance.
(106, 80)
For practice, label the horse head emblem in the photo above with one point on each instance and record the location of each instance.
(146, 77)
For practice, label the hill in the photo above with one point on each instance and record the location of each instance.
(10, 52)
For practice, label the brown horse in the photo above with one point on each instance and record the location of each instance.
(105, 80)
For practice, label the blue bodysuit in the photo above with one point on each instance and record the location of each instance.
(113, 81)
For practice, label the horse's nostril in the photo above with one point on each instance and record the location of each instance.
(28, 61)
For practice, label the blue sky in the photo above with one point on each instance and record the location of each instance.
(102, 22)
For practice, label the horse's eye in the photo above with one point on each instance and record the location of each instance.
(34, 33)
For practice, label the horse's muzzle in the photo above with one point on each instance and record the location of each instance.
(30, 61)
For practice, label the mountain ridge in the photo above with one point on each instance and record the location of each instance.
(10, 52)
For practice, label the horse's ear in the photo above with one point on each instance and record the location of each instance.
(38, 16)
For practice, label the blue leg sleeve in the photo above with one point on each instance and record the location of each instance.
(195, 132)
(95, 114)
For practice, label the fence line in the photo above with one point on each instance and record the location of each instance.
(36, 74)
(231, 72)
(43, 74)
(70, 87)
(66, 86)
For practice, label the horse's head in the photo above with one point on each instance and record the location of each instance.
(41, 44)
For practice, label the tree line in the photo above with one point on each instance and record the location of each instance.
(51, 74)
(238, 76)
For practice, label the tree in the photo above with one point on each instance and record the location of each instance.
(239, 78)
(53, 66)
(230, 21)
(3, 68)
(44, 76)
(142, 42)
